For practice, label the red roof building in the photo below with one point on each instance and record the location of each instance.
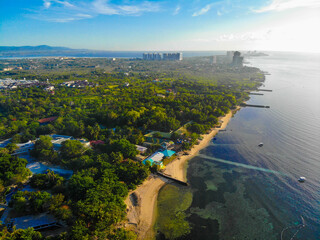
(47, 120)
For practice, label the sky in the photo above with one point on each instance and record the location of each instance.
(168, 25)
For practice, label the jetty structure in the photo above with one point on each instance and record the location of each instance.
(173, 179)
(253, 105)
(264, 90)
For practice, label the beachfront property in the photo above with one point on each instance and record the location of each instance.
(168, 153)
(157, 157)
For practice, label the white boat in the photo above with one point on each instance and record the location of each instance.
(302, 179)
(260, 144)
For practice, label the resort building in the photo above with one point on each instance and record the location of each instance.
(168, 153)
(37, 222)
(156, 158)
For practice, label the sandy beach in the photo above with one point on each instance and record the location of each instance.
(142, 211)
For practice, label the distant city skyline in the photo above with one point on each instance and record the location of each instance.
(135, 25)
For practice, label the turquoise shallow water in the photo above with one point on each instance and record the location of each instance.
(242, 191)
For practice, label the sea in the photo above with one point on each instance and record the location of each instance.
(243, 191)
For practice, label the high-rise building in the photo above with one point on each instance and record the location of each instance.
(162, 56)
(230, 56)
(214, 60)
(237, 59)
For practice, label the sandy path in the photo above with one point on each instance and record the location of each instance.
(142, 216)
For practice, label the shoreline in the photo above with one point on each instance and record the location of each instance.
(142, 215)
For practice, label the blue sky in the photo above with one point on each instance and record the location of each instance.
(287, 25)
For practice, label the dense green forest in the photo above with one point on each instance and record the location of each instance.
(129, 99)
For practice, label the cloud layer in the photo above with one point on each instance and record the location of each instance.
(66, 11)
(282, 5)
(203, 10)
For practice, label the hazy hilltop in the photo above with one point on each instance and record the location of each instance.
(32, 48)
(42, 50)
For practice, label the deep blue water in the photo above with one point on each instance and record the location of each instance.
(242, 191)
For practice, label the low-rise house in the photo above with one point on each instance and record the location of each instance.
(48, 120)
(157, 137)
(37, 222)
(156, 158)
(24, 148)
(141, 149)
(49, 88)
(96, 143)
(167, 145)
(168, 153)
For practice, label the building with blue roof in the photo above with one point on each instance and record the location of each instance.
(168, 153)
(156, 158)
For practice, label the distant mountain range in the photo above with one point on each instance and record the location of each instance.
(32, 48)
(49, 51)
(43, 51)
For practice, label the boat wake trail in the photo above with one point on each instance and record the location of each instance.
(240, 164)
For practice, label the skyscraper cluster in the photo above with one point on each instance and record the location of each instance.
(163, 56)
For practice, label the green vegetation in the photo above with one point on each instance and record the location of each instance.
(162, 97)
(43, 150)
(12, 169)
(19, 234)
(46, 181)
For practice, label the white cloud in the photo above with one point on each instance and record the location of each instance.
(102, 7)
(48, 3)
(81, 15)
(247, 36)
(236, 37)
(177, 10)
(202, 10)
(282, 5)
(67, 11)
(105, 8)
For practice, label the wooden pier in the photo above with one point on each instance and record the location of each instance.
(264, 90)
(260, 94)
(173, 179)
(253, 105)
